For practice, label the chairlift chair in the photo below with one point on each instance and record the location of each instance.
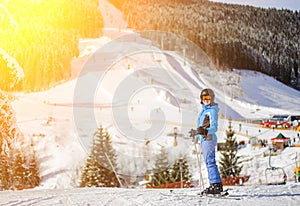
(275, 175)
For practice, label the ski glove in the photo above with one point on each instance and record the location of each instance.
(202, 131)
(193, 132)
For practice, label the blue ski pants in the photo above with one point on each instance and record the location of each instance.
(209, 156)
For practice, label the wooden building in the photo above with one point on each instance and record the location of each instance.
(281, 141)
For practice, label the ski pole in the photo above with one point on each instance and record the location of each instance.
(114, 170)
(199, 162)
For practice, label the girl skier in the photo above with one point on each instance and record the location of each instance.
(207, 127)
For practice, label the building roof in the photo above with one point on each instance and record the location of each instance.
(280, 138)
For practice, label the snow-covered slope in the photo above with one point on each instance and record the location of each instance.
(246, 196)
(140, 97)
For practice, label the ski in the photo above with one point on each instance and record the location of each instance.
(223, 195)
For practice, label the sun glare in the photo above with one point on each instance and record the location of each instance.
(42, 36)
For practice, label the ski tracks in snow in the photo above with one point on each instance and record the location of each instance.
(243, 195)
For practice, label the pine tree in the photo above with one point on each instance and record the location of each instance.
(11, 72)
(33, 176)
(229, 164)
(101, 164)
(180, 171)
(91, 175)
(8, 125)
(19, 172)
(161, 172)
(14, 170)
(8, 132)
(63, 24)
(4, 171)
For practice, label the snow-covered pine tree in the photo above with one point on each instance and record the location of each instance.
(101, 165)
(14, 170)
(19, 172)
(11, 72)
(91, 175)
(4, 169)
(161, 171)
(180, 171)
(33, 176)
(229, 164)
(9, 129)
(8, 132)
(53, 29)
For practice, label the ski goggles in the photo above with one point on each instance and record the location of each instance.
(206, 97)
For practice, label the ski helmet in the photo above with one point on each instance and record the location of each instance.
(208, 92)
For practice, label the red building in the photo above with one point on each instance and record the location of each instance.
(280, 141)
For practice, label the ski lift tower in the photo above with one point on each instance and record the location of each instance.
(175, 135)
(297, 169)
(231, 83)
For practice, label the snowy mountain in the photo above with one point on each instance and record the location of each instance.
(62, 126)
(140, 92)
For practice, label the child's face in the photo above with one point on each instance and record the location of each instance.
(206, 100)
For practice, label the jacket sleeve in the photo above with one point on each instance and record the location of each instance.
(198, 121)
(213, 122)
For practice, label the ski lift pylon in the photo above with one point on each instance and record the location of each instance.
(175, 135)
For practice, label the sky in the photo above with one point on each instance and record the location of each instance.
(279, 4)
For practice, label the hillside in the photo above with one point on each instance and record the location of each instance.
(140, 87)
(62, 143)
(62, 120)
(234, 36)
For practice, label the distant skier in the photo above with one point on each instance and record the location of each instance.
(207, 127)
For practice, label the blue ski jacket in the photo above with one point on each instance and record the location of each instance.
(212, 111)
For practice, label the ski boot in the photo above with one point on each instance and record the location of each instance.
(213, 189)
